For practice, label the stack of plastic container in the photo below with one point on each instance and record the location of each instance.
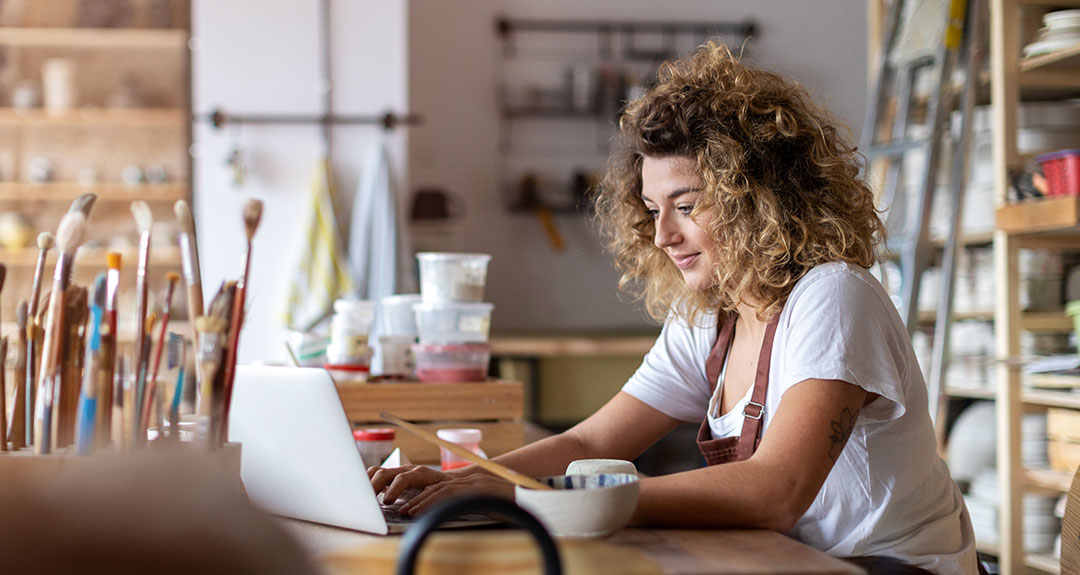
(394, 356)
(452, 319)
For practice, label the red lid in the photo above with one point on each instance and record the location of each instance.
(379, 434)
(348, 368)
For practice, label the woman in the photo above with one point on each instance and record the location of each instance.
(735, 211)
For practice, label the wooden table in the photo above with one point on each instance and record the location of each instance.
(632, 551)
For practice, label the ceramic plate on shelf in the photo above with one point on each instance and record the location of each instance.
(1051, 45)
(1062, 19)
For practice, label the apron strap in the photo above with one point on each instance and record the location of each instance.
(754, 410)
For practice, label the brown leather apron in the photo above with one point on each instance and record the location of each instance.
(728, 449)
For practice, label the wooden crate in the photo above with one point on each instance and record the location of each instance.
(1063, 424)
(1064, 455)
(495, 407)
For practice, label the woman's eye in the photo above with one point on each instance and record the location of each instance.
(685, 210)
(653, 213)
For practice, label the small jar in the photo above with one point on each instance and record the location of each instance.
(467, 438)
(349, 329)
(375, 444)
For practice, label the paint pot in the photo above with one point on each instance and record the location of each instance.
(452, 277)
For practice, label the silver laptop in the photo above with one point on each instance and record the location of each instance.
(298, 457)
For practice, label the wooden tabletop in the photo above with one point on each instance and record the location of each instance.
(632, 551)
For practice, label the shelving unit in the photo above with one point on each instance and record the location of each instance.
(1046, 223)
(131, 110)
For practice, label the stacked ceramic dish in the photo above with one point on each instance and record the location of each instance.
(452, 320)
(1041, 526)
(1034, 446)
(1061, 30)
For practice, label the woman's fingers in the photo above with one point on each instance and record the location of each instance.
(433, 494)
(403, 479)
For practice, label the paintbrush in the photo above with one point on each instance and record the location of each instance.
(500, 470)
(144, 220)
(177, 357)
(144, 395)
(3, 394)
(45, 242)
(17, 426)
(172, 277)
(107, 353)
(88, 398)
(211, 334)
(84, 203)
(189, 259)
(66, 401)
(252, 216)
(69, 237)
(213, 343)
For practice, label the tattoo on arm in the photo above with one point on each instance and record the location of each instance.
(841, 430)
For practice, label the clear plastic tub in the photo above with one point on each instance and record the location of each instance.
(469, 438)
(397, 316)
(451, 322)
(375, 444)
(349, 329)
(452, 363)
(453, 277)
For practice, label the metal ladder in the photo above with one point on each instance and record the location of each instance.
(916, 248)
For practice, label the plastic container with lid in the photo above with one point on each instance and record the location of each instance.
(375, 444)
(453, 322)
(452, 276)
(456, 363)
(469, 438)
(397, 317)
(395, 357)
(349, 329)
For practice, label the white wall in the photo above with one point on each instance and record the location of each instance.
(454, 61)
(262, 56)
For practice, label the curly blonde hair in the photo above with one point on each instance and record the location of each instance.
(782, 191)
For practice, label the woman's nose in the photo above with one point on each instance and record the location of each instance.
(667, 233)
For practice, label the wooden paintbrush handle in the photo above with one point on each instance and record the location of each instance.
(3, 395)
(500, 470)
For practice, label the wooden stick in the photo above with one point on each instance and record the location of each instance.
(144, 220)
(70, 236)
(486, 464)
(3, 394)
(69, 366)
(17, 424)
(252, 216)
(45, 242)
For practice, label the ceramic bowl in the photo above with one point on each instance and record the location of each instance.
(595, 466)
(582, 505)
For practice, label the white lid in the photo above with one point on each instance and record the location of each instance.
(451, 256)
(465, 306)
(400, 298)
(468, 435)
(350, 305)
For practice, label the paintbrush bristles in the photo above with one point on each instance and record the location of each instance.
(252, 214)
(83, 203)
(144, 218)
(184, 217)
(21, 315)
(172, 277)
(209, 324)
(45, 241)
(72, 232)
(3, 276)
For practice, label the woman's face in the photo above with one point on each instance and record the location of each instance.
(670, 187)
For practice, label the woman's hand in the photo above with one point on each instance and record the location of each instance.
(434, 485)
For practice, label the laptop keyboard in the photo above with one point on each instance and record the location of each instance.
(391, 512)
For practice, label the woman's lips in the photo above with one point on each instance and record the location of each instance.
(683, 262)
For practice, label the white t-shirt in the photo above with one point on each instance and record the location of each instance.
(889, 494)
